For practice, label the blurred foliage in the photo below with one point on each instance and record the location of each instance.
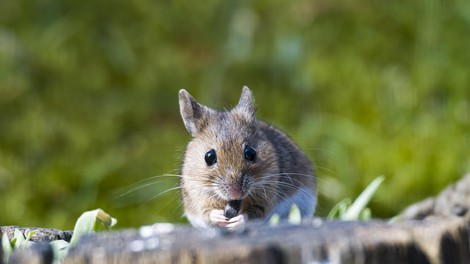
(88, 97)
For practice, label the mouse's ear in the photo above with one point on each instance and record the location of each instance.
(194, 114)
(246, 105)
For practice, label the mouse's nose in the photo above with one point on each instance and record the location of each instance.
(235, 191)
(235, 188)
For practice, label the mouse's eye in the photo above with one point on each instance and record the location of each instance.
(210, 157)
(250, 153)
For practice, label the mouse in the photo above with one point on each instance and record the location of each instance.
(237, 168)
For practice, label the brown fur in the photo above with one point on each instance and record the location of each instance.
(279, 171)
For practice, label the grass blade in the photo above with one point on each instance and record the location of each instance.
(7, 248)
(91, 221)
(295, 217)
(360, 203)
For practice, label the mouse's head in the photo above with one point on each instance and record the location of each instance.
(228, 156)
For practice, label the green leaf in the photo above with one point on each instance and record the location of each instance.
(105, 220)
(365, 215)
(18, 240)
(29, 234)
(339, 209)
(90, 222)
(60, 249)
(7, 248)
(361, 202)
(343, 208)
(395, 219)
(274, 220)
(295, 217)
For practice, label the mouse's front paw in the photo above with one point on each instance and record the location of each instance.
(237, 221)
(217, 217)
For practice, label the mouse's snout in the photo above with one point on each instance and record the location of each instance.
(236, 189)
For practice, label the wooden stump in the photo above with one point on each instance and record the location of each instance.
(434, 240)
(434, 231)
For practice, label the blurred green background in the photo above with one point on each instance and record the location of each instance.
(89, 109)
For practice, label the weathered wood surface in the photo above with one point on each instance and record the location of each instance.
(434, 231)
(452, 201)
(39, 253)
(40, 234)
(433, 240)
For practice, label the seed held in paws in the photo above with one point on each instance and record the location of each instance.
(232, 208)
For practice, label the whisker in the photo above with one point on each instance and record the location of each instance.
(166, 191)
(153, 180)
(292, 186)
(138, 188)
(275, 189)
(320, 168)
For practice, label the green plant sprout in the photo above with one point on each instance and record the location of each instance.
(294, 217)
(89, 222)
(345, 210)
(18, 241)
